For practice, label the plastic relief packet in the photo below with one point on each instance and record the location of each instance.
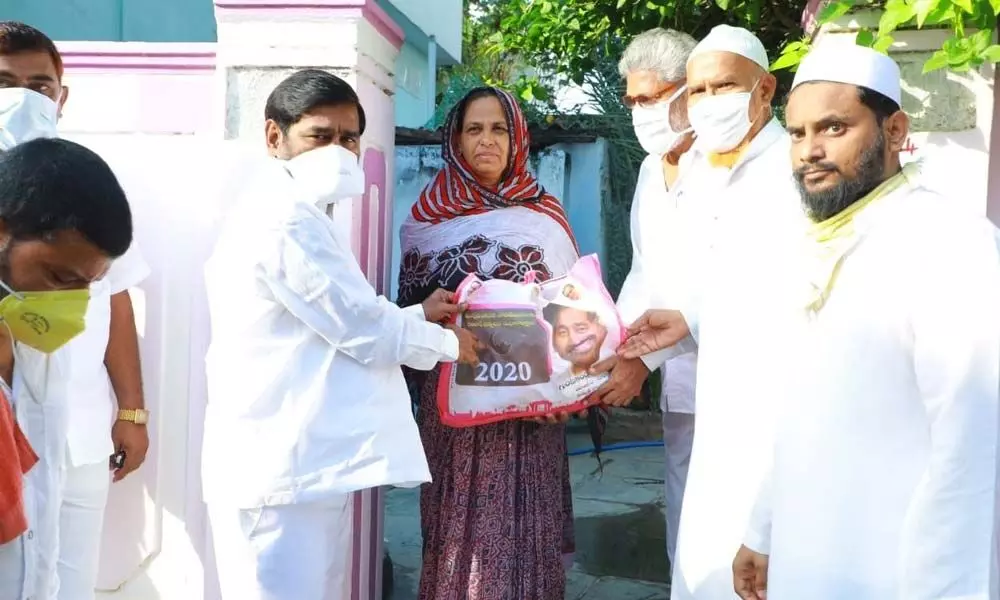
(537, 342)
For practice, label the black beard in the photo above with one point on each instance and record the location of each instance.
(830, 202)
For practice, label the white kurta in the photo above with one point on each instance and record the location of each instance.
(658, 278)
(754, 223)
(884, 483)
(306, 399)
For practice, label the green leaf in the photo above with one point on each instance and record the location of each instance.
(996, 6)
(965, 5)
(883, 43)
(991, 54)
(938, 60)
(621, 3)
(787, 60)
(834, 10)
(723, 4)
(924, 8)
(981, 40)
(897, 12)
(865, 38)
(943, 12)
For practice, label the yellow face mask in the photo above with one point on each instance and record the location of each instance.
(45, 321)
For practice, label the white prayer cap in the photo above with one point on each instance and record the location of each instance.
(851, 64)
(724, 38)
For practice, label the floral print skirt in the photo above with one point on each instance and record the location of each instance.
(497, 519)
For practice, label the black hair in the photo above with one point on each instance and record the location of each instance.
(552, 311)
(881, 105)
(463, 104)
(305, 91)
(53, 185)
(17, 37)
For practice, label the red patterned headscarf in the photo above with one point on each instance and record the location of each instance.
(455, 192)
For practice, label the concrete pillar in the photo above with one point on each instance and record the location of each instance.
(263, 41)
(951, 114)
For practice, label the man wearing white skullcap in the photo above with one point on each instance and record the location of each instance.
(741, 222)
(884, 479)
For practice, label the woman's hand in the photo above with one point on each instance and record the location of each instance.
(558, 418)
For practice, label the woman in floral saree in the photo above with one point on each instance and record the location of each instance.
(497, 519)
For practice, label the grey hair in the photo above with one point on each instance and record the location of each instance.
(663, 51)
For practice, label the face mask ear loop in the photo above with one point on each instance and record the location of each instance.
(764, 110)
(10, 291)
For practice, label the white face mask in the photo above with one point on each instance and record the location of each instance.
(721, 122)
(25, 115)
(652, 126)
(328, 174)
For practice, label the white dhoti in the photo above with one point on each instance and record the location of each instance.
(678, 435)
(286, 552)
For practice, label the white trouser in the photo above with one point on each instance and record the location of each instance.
(81, 520)
(288, 552)
(678, 435)
(44, 425)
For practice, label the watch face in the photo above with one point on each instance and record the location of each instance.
(141, 417)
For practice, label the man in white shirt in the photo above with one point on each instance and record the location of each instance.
(737, 200)
(884, 479)
(307, 402)
(654, 68)
(70, 390)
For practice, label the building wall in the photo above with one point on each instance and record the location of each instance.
(574, 173)
(951, 114)
(439, 18)
(413, 106)
(117, 20)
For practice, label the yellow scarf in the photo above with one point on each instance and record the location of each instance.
(833, 239)
(728, 159)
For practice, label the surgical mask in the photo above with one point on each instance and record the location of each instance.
(652, 126)
(328, 174)
(722, 121)
(45, 321)
(25, 115)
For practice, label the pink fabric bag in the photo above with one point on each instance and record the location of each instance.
(537, 342)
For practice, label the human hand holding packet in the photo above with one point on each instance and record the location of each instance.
(537, 342)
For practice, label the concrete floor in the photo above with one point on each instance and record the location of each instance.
(621, 548)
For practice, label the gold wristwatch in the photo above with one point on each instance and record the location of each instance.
(139, 416)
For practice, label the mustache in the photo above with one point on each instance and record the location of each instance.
(586, 340)
(804, 170)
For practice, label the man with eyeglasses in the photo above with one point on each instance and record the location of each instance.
(653, 67)
(732, 233)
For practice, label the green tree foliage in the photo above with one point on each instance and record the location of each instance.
(565, 36)
(562, 36)
(962, 51)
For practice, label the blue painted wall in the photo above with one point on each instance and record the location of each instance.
(117, 20)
